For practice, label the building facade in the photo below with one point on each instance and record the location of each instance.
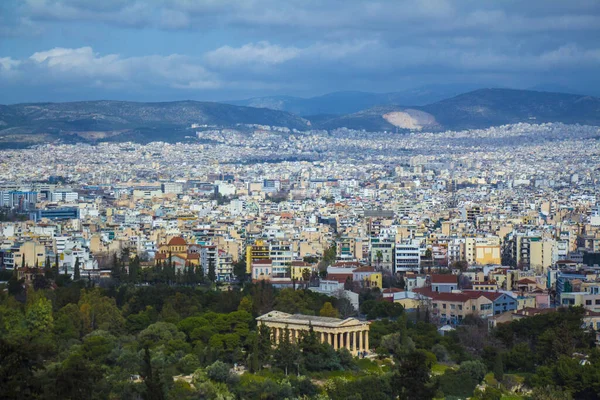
(349, 333)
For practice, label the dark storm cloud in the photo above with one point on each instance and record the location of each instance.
(267, 46)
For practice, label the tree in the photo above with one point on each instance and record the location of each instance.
(239, 270)
(379, 257)
(461, 265)
(99, 312)
(152, 379)
(134, 269)
(411, 379)
(212, 276)
(401, 283)
(218, 372)
(498, 368)
(199, 272)
(306, 274)
(287, 354)
(56, 271)
(264, 344)
(328, 311)
(115, 270)
(76, 271)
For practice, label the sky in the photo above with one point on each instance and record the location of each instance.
(161, 50)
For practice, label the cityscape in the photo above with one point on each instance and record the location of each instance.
(441, 241)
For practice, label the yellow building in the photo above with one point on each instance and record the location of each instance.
(368, 277)
(178, 248)
(541, 254)
(30, 254)
(299, 269)
(258, 251)
(483, 251)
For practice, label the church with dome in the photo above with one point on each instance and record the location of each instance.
(182, 254)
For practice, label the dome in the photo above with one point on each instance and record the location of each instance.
(177, 241)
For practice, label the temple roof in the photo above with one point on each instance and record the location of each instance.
(300, 319)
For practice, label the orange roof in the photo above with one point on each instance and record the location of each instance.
(364, 269)
(526, 281)
(443, 278)
(177, 241)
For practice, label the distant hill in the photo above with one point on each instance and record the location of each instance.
(93, 121)
(341, 103)
(477, 109)
(119, 120)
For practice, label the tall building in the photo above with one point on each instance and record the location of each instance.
(382, 253)
(407, 257)
(258, 251)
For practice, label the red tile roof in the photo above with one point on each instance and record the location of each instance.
(526, 281)
(444, 278)
(364, 269)
(177, 241)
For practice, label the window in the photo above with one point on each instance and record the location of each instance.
(597, 301)
(452, 307)
(444, 306)
(460, 306)
(588, 302)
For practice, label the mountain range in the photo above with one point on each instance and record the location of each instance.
(340, 103)
(92, 121)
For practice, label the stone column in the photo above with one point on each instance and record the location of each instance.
(321, 337)
(367, 340)
(335, 341)
(275, 335)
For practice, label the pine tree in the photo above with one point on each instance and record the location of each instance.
(76, 271)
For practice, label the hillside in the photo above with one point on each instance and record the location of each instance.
(92, 121)
(489, 107)
(477, 109)
(349, 102)
(117, 120)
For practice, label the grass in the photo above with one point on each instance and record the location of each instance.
(439, 369)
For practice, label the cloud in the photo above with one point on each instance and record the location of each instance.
(271, 66)
(252, 53)
(86, 67)
(315, 17)
(7, 63)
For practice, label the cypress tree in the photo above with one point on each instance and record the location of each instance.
(212, 276)
(76, 272)
(56, 271)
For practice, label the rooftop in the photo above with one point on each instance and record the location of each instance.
(301, 319)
